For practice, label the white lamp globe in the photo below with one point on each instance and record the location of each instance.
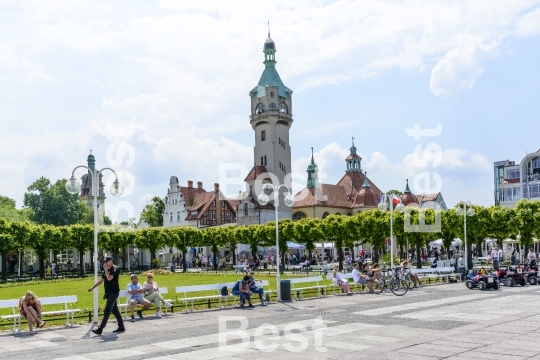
(470, 212)
(116, 189)
(289, 200)
(400, 207)
(459, 211)
(73, 186)
(382, 206)
(263, 199)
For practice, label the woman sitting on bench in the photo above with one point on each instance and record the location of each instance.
(30, 308)
(339, 281)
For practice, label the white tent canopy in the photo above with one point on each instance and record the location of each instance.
(291, 245)
(327, 245)
(438, 243)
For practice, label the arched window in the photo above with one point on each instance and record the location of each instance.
(325, 214)
(283, 108)
(260, 108)
(272, 107)
(299, 215)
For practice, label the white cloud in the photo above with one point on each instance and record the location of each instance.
(462, 66)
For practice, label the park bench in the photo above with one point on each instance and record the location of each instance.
(61, 300)
(240, 268)
(190, 294)
(15, 316)
(426, 273)
(123, 300)
(259, 283)
(299, 285)
(321, 268)
(449, 273)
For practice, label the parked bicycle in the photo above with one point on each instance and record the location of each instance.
(393, 280)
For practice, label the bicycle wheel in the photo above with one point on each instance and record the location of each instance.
(409, 280)
(378, 287)
(398, 287)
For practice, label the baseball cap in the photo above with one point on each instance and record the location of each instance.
(107, 258)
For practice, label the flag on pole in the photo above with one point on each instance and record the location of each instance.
(395, 199)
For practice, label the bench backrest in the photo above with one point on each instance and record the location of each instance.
(422, 271)
(314, 279)
(197, 288)
(54, 300)
(344, 276)
(446, 269)
(13, 304)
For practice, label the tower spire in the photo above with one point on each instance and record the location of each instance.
(268, 28)
(366, 184)
(312, 171)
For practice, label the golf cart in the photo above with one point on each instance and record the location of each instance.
(481, 279)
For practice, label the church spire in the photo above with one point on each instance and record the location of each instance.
(366, 183)
(407, 190)
(91, 161)
(312, 172)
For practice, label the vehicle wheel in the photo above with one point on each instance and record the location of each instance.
(523, 282)
(399, 287)
(533, 280)
(496, 285)
(482, 285)
(469, 284)
(509, 281)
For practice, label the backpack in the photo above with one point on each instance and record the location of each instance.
(224, 291)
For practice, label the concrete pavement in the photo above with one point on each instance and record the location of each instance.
(435, 322)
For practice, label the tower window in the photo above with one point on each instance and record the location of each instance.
(246, 209)
(272, 107)
(260, 108)
(263, 135)
(271, 94)
(264, 160)
(283, 108)
(178, 216)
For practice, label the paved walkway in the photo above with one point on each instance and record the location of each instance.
(435, 322)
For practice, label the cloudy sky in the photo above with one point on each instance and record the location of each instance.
(161, 88)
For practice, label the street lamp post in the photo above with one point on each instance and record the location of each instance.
(399, 208)
(462, 210)
(289, 201)
(73, 186)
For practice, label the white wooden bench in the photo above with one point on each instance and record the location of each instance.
(448, 272)
(61, 300)
(15, 316)
(427, 273)
(298, 286)
(123, 297)
(240, 268)
(259, 283)
(190, 297)
(321, 268)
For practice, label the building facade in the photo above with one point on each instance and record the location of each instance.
(271, 120)
(196, 207)
(513, 181)
(355, 192)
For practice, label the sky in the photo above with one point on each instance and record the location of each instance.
(160, 88)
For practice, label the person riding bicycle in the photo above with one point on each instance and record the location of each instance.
(414, 277)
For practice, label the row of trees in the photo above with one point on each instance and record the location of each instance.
(370, 227)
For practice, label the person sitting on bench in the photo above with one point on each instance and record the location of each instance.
(339, 281)
(241, 288)
(364, 277)
(256, 290)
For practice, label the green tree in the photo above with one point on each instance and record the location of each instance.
(82, 239)
(9, 212)
(502, 223)
(527, 221)
(153, 212)
(449, 225)
(151, 239)
(6, 244)
(52, 204)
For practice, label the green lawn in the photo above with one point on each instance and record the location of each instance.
(80, 287)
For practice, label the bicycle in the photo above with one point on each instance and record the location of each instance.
(393, 280)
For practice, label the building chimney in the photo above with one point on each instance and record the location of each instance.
(190, 184)
(216, 187)
(199, 184)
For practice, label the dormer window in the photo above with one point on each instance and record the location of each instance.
(283, 108)
(213, 202)
(260, 108)
(271, 94)
(272, 107)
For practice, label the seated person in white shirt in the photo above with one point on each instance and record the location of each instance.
(364, 277)
(135, 296)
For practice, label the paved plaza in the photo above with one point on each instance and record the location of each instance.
(435, 322)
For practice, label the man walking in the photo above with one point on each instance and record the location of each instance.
(112, 290)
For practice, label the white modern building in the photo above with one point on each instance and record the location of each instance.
(517, 181)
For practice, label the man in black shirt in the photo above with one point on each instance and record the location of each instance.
(112, 289)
